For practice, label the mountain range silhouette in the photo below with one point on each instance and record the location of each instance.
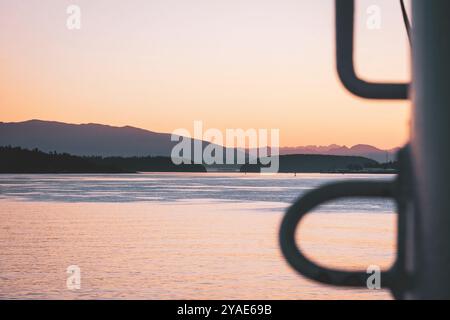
(103, 140)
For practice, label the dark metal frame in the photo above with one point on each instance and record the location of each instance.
(345, 10)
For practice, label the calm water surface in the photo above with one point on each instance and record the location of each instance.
(179, 236)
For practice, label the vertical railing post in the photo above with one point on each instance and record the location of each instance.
(430, 149)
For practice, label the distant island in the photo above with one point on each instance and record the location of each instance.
(37, 146)
(18, 160)
(307, 163)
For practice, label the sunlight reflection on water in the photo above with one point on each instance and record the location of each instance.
(163, 236)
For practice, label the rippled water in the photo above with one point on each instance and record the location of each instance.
(162, 236)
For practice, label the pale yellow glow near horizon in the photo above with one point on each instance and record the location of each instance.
(162, 64)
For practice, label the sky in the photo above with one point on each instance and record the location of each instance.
(163, 64)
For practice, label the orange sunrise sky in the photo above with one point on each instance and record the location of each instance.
(162, 64)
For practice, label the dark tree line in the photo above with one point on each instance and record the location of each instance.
(18, 160)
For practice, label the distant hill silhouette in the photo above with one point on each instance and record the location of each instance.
(103, 140)
(317, 164)
(18, 160)
(361, 150)
(85, 139)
